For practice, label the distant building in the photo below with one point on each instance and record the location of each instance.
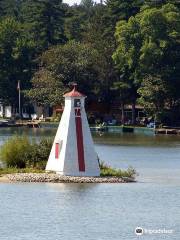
(5, 111)
(107, 112)
(34, 111)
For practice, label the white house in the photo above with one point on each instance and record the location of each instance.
(7, 111)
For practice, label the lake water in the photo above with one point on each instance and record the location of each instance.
(99, 211)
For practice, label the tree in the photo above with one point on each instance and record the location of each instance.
(44, 21)
(77, 19)
(152, 94)
(95, 35)
(126, 58)
(16, 55)
(120, 10)
(62, 64)
(46, 89)
(10, 8)
(75, 22)
(148, 44)
(160, 3)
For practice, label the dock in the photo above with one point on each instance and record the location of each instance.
(172, 131)
(29, 124)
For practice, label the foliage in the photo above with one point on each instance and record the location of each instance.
(48, 43)
(13, 152)
(19, 152)
(16, 54)
(10, 8)
(120, 10)
(44, 21)
(97, 37)
(148, 45)
(72, 62)
(77, 20)
(160, 3)
(107, 171)
(38, 156)
(46, 89)
(152, 93)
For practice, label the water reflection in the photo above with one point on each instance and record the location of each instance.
(79, 187)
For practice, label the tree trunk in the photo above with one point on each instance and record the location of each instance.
(134, 113)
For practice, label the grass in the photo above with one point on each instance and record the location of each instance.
(4, 171)
(107, 171)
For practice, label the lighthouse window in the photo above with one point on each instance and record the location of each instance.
(58, 147)
(77, 102)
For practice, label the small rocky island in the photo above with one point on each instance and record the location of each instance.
(56, 178)
(28, 165)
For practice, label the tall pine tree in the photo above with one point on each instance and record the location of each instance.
(45, 21)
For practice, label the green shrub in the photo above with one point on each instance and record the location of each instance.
(107, 171)
(19, 152)
(14, 150)
(38, 156)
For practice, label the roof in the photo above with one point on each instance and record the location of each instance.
(74, 93)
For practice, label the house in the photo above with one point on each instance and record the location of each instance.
(27, 112)
(5, 111)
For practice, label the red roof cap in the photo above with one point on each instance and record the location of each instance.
(74, 93)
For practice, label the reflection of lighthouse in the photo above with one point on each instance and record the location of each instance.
(73, 151)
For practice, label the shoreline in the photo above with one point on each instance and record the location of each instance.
(4, 179)
(56, 178)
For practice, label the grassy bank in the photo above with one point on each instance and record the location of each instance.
(4, 171)
(106, 171)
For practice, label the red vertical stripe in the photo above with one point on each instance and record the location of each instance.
(79, 136)
(57, 150)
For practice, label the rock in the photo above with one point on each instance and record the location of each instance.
(56, 178)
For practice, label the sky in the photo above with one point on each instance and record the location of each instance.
(71, 2)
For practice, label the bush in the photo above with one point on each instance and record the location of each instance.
(14, 150)
(38, 156)
(19, 152)
(107, 171)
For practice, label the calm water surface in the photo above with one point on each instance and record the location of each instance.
(99, 211)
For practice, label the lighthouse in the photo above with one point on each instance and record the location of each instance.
(73, 152)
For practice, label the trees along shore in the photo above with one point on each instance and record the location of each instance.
(117, 51)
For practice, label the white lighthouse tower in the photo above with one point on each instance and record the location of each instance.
(73, 153)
